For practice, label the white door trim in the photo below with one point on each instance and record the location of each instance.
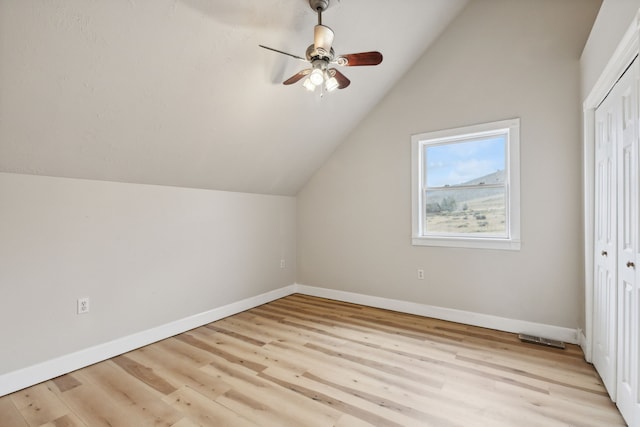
(627, 50)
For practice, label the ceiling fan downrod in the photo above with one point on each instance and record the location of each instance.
(319, 6)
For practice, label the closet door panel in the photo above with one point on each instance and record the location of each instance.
(605, 274)
(627, 367)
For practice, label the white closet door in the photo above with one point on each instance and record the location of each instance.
(626, 92)
(605, 274)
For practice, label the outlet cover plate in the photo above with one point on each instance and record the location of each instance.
(83, 305)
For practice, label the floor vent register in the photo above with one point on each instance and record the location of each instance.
(542, 341)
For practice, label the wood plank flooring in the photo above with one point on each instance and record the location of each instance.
(304, 361)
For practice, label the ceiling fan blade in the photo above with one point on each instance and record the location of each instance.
(343, 81)
(322, 38)
(284, 53)
(297, 77)
(358, 59)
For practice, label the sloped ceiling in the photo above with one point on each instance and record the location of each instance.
(177, 92)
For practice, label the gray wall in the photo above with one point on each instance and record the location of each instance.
(145, 255)
(499, 59)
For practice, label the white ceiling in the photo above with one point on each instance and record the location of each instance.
(177, 92)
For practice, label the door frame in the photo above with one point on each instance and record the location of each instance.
(627, 50)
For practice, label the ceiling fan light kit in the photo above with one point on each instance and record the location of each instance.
(321, 54)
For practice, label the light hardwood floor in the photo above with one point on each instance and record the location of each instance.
(303, 361)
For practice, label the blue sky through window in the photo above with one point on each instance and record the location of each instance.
(455, 163)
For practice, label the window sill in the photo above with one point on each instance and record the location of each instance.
(472, 243)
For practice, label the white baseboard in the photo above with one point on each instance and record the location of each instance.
(469, 318)
(31, 375)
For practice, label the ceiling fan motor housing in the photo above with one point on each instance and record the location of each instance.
(321, 5)
(313, 54)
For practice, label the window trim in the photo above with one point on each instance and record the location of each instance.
(512, 186)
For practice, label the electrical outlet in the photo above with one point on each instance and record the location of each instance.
(283, 264)
(83, 305)
(420, 274)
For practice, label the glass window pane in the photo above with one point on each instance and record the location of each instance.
(466, 210)
(467, 162)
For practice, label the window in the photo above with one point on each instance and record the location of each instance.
(466, 185)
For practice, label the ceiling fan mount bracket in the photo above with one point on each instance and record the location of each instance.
(319, 5)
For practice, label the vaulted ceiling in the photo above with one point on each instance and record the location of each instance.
(177, 92)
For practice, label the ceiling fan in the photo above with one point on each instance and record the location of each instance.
(321, 55)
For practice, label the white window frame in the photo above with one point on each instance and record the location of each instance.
(511, 128)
